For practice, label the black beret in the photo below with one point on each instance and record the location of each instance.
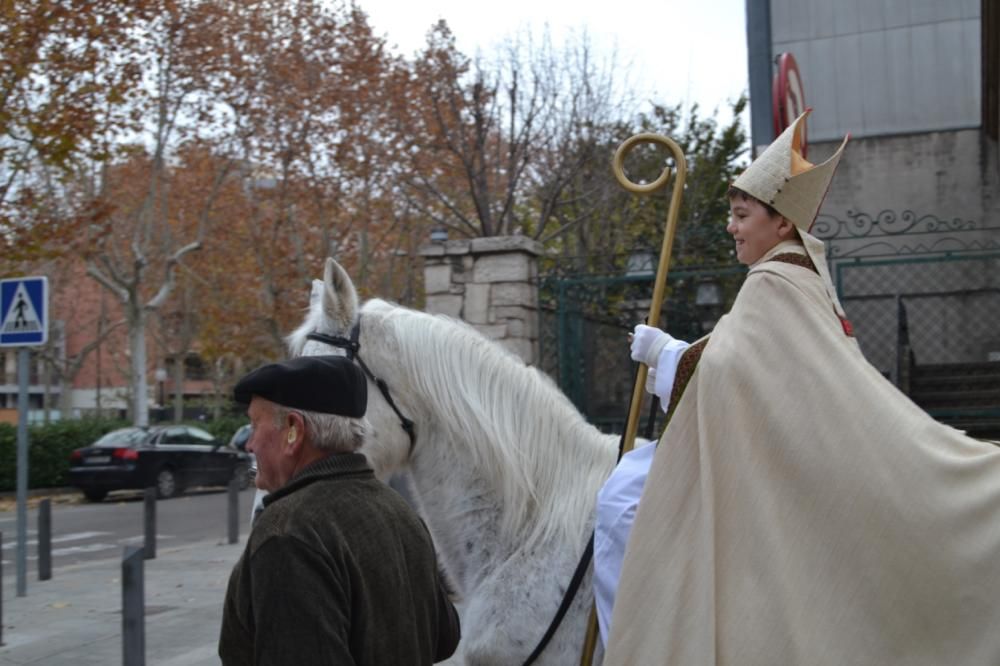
(328, 384)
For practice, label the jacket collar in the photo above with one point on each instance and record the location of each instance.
(335, 465)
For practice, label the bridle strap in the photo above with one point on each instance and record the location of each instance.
(352, 346)
(567, 600)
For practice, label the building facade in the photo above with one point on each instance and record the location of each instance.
(912, 219)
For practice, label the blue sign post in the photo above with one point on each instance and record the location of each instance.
(24, 322)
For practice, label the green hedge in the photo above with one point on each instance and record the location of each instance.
(50, 445)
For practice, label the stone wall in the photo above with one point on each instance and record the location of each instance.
(490, 283)
(946, 174)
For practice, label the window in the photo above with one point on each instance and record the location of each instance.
(200, 437)
(175, 436)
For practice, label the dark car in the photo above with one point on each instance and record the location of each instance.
(239, 441)
(169, 458)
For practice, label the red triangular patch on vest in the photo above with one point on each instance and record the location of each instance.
(848, 328)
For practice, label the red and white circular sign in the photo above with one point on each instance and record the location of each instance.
(788, 98)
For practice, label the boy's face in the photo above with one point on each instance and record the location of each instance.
(754, 229)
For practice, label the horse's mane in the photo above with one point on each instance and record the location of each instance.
(525, 437)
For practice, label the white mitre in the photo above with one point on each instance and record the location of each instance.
(786, 181)
(782, 178)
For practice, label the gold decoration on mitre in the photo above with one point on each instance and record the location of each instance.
(786, 181)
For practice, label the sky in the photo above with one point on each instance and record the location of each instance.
(681, 50)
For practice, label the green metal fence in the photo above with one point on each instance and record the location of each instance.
(923, 294)
(951, 306)
(944, 274)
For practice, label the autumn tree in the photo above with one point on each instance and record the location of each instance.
(208, 156)
(201, 290)
(67, 72)
(492, 148)
(715, 154)
(135, 254)
(310, 79)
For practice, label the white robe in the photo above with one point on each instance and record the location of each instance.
(801, 510)
(619, 496)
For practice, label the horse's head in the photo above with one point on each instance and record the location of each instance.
(333, 311)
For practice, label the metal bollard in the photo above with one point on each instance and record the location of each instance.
(1, 590)
(45, 539)
(149, 520)
(234, 511)
(133, 608)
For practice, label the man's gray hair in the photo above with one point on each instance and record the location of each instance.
(329, 432)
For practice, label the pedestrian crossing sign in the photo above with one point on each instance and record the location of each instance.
(24, 308)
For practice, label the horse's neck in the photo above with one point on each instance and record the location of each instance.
(457, 469)
(462, 511)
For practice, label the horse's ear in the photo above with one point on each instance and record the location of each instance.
(340, 299)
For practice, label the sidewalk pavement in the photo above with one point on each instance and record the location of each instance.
(75, 618)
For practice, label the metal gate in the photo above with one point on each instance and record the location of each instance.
(935, 280)
(585, 320)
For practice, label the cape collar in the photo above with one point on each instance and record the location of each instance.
(784, 247)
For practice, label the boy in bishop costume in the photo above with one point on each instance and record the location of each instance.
(799, 509)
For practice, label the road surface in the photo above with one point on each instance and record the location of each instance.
(83, 531)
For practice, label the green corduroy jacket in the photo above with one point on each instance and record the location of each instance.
(337, 570)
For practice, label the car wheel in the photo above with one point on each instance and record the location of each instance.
(166, 484)
(241, 474)
(94, 495)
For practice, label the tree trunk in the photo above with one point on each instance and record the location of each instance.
(217, 389)
(137, 345)
(178, 381)
(65, 397)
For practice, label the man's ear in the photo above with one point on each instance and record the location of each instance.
(295, 435)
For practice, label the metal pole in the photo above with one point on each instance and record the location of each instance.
(22, 471)
(45, 540)
(760, 69)
(149, 520)
(133, 608)
(234, 511)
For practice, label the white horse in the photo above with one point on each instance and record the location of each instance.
(505, 470)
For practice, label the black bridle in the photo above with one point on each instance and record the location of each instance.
(352, 346)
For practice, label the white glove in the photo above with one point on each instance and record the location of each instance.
(647, 343)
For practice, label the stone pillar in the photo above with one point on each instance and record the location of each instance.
(491, 284)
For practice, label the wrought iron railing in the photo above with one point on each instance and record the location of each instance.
(892, 234)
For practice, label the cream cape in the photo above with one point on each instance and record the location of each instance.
(800, 510)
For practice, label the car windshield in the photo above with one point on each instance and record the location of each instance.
(126, 437)
(240, 438)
